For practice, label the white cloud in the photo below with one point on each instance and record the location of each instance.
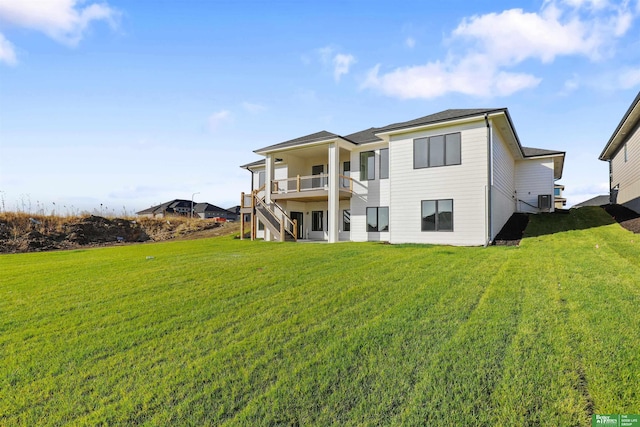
(253, 107)
(339, 62)
(410, 42)
(571, 84)
(218, 118)
(7, 51)
(485, 49)
(470, 77)
(629, 78)
(342, 63)
(62, 20)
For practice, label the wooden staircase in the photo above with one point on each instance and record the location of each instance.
(274, 218)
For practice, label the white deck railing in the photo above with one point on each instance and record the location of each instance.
(300, 184)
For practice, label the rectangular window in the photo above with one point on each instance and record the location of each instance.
(317, 221)
(437, 215)
(346, 220)
(384, 163)
(346, 169)
(441, 150)
(261, 178)
(367, 166)
(378, 219)
(556, 192)
(625, 153)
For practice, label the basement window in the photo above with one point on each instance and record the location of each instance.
(317, 221)
(437, 215)
(378, 219)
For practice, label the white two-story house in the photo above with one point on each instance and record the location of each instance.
(453, 177)
(623, 154)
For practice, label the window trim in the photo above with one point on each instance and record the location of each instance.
(371, 173)
(313, 220)
(427, 141)
(377, 210)
(346, 220)
(386, 150)
(437, 229)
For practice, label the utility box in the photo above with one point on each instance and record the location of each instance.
(544, 201)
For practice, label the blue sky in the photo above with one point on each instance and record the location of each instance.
(127, 104)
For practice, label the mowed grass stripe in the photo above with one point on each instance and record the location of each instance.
(540, 382)
(370, 360)
(457, 386)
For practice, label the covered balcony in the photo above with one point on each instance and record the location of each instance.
(310, 188)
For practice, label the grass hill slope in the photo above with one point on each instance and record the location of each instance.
(228, 332)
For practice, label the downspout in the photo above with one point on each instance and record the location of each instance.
(611, 201)
(489, 226)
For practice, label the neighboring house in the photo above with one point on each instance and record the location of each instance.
(179, 207)
(453, 177)
(595, 201)
(559, 200)
(623, 154)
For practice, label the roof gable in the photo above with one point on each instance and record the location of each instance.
(323, 135)
(629, 121)
(442, 116)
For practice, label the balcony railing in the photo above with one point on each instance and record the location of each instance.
(299, 184)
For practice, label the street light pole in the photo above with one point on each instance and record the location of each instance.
(192, 203)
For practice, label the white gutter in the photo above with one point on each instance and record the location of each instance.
(489, 212)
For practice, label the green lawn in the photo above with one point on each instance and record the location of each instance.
(228, 332)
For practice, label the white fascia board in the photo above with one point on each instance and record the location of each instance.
(628, 123)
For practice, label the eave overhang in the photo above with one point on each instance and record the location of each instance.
(626, 126)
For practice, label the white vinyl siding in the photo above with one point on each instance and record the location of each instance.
(503, 185)
(533, 177)
(368, 193)
(465, 184)
(627, 174)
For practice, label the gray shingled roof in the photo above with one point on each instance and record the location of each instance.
(442, 116)
(364, 136)
(314, 137)
(596, 201)
(256, 163)
(534, 152)
(369, 135)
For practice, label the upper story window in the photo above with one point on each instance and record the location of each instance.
(367, 166)
(384, 163)
(441, 150)
(261, 178)
(625, 153)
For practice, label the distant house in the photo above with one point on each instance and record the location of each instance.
(454, 177)
(623, 154)
(179, 207)
(558, 199)
(595, 201)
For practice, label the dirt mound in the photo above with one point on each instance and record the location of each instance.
(22, 233)
(626, 217)
(512, 232)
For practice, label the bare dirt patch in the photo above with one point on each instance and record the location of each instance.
(626, 217)
(24, 233)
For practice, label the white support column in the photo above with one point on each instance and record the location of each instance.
(334, 192)
(268, 186)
